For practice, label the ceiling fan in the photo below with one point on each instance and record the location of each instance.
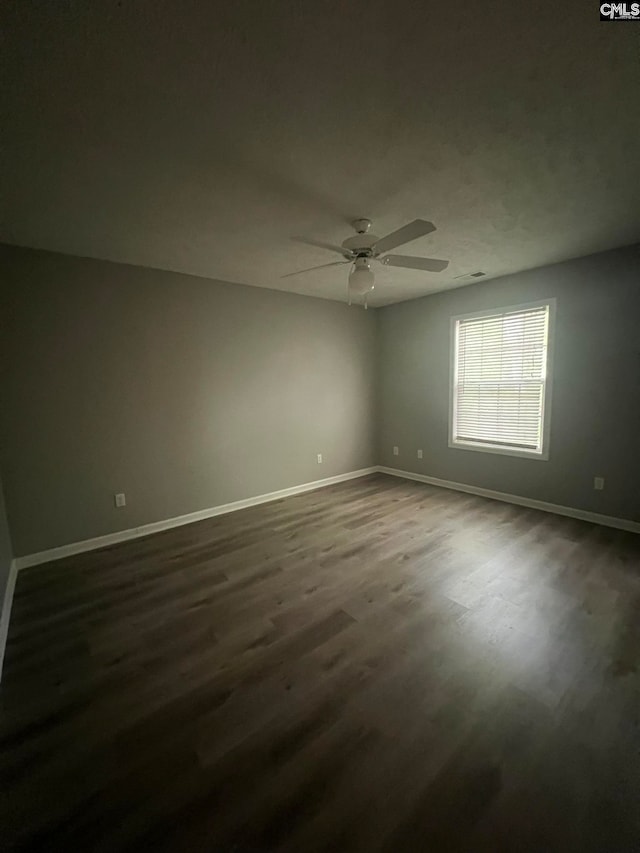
(365, 247)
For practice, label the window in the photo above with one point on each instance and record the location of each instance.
(500, 380)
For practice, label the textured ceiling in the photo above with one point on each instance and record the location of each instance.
(204, 136)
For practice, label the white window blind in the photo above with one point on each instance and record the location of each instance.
(499, 380)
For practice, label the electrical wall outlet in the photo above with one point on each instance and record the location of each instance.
(319, 458)
(395, 451)
(598, 483)
(419, 454)
(120, 499)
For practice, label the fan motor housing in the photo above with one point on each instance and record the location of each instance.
(361, 244)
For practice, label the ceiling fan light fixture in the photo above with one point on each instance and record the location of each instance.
(365, 247)
(361, 279)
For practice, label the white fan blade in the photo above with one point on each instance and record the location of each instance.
(415, 229)
(309, 269)
(427, 264)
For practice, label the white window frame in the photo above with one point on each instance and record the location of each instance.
(543, 453)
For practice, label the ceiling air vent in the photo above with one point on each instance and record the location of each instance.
(472, 275)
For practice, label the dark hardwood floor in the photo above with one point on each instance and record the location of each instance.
(378, 666)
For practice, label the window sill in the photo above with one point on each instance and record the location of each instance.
(501, 451)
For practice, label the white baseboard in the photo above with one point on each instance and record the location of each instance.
(6, 610)
(571, 512)
(135, 532)
(157, 526)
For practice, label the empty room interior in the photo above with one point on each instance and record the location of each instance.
(319, 426)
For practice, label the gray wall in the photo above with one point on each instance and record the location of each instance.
(184, 393)
(595, 420)
(187, 393)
